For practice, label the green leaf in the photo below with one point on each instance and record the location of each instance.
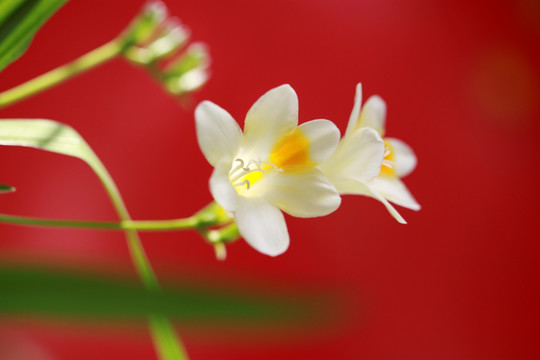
(44, 292)
(19, 22)
(51, 136)
(6, 188)
(46, 135)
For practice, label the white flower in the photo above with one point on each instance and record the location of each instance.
(366, 164)
(271, 166)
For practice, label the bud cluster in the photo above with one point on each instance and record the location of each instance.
(159, 43)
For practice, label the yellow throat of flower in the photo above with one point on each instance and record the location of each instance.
(387, 168)
(292, 149)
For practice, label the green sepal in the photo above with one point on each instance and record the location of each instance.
(212, 215)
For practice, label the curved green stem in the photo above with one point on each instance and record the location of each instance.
(62, 73)
(140, 260)
(168, 344)
(142, 225)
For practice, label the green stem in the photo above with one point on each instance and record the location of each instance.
(164, 336)
(168, 344)
(62, 73)
(141, 262)
(141, 225)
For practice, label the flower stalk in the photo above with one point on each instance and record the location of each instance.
(143, 225)
(208, 218)
(54, 77)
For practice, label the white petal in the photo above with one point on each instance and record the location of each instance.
(358, 157)
(355, 113)
(217, 132)
(404, 157)
(262, 225)
(274, 115)
(301, 191)
(373, 114)
(323, 137)
(221, 188)
(394, 190)
(351, 187)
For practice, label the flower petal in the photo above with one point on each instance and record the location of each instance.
(301, 191)
(358, 157)
(217, 132)
(262, 225)
(373, 114)
(323, 138)
(274, 115)
(394, 190)
(355, 113)
(221, 188)
(352, 187)
(404, 157)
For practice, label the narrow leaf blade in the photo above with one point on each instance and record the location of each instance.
(48, 135)
(19, 22)
(52, 293)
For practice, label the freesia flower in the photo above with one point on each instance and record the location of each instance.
(366, 164)
(268, 168)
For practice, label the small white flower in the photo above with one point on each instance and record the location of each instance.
(271, 166)
(366, 164)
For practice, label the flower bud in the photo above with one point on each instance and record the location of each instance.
(152, 15)
(189, 71)
(156, 41)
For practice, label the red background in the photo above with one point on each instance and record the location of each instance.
(461, 81)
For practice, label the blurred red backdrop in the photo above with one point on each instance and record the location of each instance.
(461, 81)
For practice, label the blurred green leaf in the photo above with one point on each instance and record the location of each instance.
(19, 22)
(45, 292)
(6, 188)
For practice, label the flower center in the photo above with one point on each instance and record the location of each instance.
(387, 167)
(292, 149)
(245, 174)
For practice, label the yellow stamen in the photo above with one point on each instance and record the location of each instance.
(243, 176)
